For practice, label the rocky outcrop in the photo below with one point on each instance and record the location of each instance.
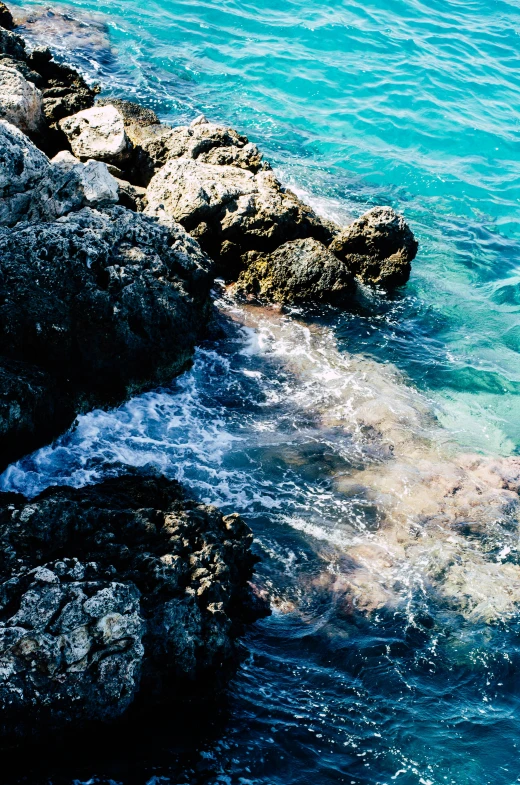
(302, 271)
(20, 101)
(117, 593)
(106, 302)
(32, 188)
(378, 248)
(201, 141)
(231, 211)
(97, 133)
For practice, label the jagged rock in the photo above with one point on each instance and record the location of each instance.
(231, 211)
(107, 302)
(378, 248)
(120, 591)
(136, 118)
(6, 18)
(20, 101)
(97, 133)
(201, 141)
(12, 45)
(32, 188)
(297, 272)
(65, 92)
(96, 183)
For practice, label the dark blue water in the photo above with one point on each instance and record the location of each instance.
(373, 453)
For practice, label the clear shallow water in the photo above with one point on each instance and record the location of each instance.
(336, 434)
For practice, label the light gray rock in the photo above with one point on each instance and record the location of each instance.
(231, 211)
(32, 188)
(20, 101)
(97, 133)
(378, 248)
(200, 141)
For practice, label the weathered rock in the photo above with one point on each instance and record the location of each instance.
(97, 133)
(106, 302)
(32, 188)
(297, 272)
(136, 118)
(65, 91)
(132, 196)
(231, 211)
(20, 101)
(12, 45)
(378, 248)
(201, 141)
(120, 591)
(6, 18)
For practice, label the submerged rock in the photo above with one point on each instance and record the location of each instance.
(105, 301)
(378, 248)
(120, 592)
(231, 211)
(97, 133)
(297, 272)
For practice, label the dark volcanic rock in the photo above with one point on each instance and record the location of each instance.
(114, 593)
(297, 272)
(106, 302)
(378, 248)
(6, 18)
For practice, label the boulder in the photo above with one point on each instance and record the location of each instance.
(231, 211)
(378, 248)
(301, 271)
(105, 302)
(201, 141)
(97, 133)
(32, 188)
(119, 593)
(20, 101)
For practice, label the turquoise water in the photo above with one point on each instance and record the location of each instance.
(400, 103)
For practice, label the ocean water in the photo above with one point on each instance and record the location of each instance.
(374, 453)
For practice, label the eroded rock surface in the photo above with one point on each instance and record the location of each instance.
(32, 188)
(105, 301)
(112, 593)
(297, 272)
(20, 101)
(231, 211)
(378, 248)
(97, 133)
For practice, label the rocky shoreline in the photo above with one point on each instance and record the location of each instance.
(113, 228)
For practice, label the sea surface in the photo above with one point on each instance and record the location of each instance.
(373, 453)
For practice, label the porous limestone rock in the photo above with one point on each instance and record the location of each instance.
(97, 133)
(231, 211)
(378, 248)
(301, 271)
(113, 593)
(105, 301)
(200, 141)
(20, 101)
(12, 45)
(32, 188)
